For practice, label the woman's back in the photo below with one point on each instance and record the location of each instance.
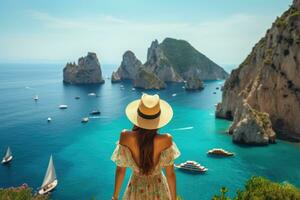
(130, 139)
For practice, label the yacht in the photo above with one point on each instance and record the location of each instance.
(220, 152)
(36, 97)
(63, 106)
(95, 112)
(191, 166)
(8, 156)
(85, 120)
(50, 179)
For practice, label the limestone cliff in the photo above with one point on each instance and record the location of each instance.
(176, 60)
(171, 61)
(87, 71)
(128, 68)
(194, 83)
(268, 80)
(147, 80)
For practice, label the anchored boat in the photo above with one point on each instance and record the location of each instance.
(220, 152)
(50, 180)
(95, 112)
(191, 166)
(8, 156)
(85, 120)
(63, 106)
(36, 97)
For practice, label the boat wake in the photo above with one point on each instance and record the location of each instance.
(99, 117)
(29, 88)
(183, 129)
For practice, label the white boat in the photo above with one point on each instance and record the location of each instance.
(49, 119)
(133, 89)
(63, 106)
(8, 156)
(92, 94)
(85, 120)
(220, 152)
(174, 95)
(50, 180)
(191, 166)
(36, 97)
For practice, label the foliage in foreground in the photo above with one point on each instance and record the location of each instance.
(258, 188)
(20, 193)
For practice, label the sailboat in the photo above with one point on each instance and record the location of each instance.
(50, 180)
(8, 156)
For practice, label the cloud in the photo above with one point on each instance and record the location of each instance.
(226, 40)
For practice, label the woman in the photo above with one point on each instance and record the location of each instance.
(146, 152)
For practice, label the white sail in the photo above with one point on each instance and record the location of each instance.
(8, 153)
(50, 174)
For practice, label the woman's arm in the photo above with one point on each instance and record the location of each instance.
(171, 178)
(119, 177)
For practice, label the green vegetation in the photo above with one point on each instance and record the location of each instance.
(268, 57)
(262, 118)
(258, 188)
(20, 193)
(183, 56)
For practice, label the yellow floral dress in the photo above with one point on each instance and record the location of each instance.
(142, 187)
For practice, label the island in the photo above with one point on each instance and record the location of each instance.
(170, 61)
(87, 71)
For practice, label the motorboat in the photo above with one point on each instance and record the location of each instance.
(63, 106)
(49, 119)
(174, 95)
(85, 120)
(8, 156)
(50, 179)
(77, 97)
(220, 152)
(92, 94)
(95, 112)
(191, 166)
(36, 97)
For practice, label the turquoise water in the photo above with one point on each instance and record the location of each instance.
(82, 151)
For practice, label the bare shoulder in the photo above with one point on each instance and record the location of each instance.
(164, 141)
(126, 137)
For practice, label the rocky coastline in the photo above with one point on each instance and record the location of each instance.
(262, 95)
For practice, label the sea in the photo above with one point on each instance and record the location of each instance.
(81, 152)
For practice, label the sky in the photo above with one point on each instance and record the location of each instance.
(57, 31)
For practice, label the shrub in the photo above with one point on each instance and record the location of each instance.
(23, 193)
(262, 189)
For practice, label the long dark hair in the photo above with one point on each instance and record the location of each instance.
(146, 148)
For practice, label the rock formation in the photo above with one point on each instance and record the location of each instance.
(171, 61)
(147, 80)
(128, 68)
(183, 59)
(194, 83)
(267, 81)
(87, 71)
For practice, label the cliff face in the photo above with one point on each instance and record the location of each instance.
(147, 80)
(184, 59)
(87, 71)
(128, 68)
(171, 61)
(268, 80)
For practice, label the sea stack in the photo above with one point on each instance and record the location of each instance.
(128, 68)
(170, 61)
(87, 71)
(264, 91)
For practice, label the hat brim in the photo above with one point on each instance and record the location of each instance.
(166, 114)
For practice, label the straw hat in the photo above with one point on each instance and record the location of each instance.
(149, 112)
